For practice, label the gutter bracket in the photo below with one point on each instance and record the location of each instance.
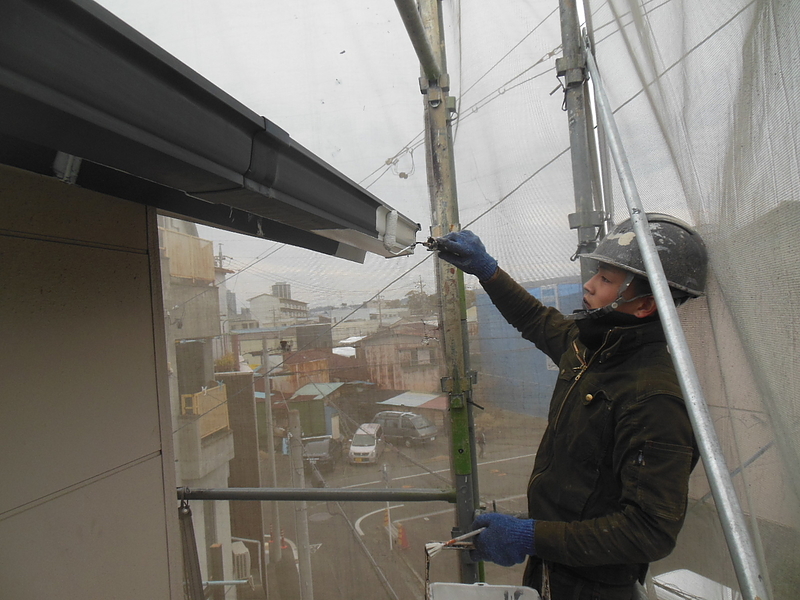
(66, 167)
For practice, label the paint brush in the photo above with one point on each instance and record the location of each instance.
(433, 548)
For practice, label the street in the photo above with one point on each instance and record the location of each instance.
(353, 553)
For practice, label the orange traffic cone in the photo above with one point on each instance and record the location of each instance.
(402, 538)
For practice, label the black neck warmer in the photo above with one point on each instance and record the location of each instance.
(592, 332)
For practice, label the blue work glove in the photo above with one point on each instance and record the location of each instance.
(464, 249)
(506, 540)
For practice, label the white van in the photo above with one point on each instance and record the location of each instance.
(367, 444)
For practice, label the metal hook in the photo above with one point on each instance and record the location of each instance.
(430, 244)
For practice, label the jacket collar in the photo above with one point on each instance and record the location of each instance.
(625, 340)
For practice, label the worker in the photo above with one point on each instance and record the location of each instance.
(481, 439)
(609, 486)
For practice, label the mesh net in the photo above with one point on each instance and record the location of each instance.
(705, 96)
(703, 103)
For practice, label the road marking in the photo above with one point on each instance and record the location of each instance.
(432, 514)
(450, 511)
(423, 516)
(369, 514)
(447, 470)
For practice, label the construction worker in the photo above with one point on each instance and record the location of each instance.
(481, 439)
(608, 491)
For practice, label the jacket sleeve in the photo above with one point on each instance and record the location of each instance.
(544, 326)
(653, 456)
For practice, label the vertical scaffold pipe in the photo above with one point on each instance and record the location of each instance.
(572, 67)
(444, 218)
(301, 509)
(740, 544)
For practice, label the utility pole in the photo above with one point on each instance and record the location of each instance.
(301, 508)
(572, 67)
(385, 475)
(424, 25)
(275, 530)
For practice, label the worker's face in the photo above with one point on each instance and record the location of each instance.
(602, 289)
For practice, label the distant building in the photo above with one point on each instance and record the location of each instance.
(242, 323)
(204, 439)
(405, 356)
(282, 290)
(192, 299)
(252, 341)
(358, 320)
(520, 377)
(230, 301)
(270, 310)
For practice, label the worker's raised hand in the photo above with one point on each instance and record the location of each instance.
(464, 249)
(506, 540)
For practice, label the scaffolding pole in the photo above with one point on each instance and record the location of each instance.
(317, 494)
(740, 544)
(419, 39)
(275, 550)
(572, 67)
(301, 509)
(424, 26)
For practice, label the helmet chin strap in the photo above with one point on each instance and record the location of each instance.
(596, 313)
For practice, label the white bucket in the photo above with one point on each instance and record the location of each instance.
(481, 591)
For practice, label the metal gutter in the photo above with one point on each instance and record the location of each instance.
(76, 79)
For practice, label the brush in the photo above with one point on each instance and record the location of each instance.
(433, 548)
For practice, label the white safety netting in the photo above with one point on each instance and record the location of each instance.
(706, 99)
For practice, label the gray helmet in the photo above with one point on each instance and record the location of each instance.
(680, 248)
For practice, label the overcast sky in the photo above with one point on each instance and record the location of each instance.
(342, 79)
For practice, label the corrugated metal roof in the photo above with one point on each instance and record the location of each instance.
(317, 390)
(417, 400)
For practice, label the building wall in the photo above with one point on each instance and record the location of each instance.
(88, 503)
(272, 311)
(252, 342)
(313, 337)
(512, 373)
(347, 329)
(403, 362)
(266, 310)
(293, 309)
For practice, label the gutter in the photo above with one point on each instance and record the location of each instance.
(77, 80)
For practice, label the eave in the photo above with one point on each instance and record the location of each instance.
(75, 81)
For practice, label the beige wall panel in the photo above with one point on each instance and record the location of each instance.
(103, 540)
(44, 206)
(77, 365)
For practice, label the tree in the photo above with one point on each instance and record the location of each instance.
(225, 364)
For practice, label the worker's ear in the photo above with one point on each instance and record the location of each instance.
(647, 306)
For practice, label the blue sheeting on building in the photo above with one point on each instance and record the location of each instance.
(513, 374)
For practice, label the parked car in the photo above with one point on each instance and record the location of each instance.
(406, 427)
(324, 451)
(367, 445)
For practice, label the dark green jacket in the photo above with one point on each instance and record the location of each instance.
(610, 480)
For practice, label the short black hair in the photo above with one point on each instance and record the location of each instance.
(641, 286)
